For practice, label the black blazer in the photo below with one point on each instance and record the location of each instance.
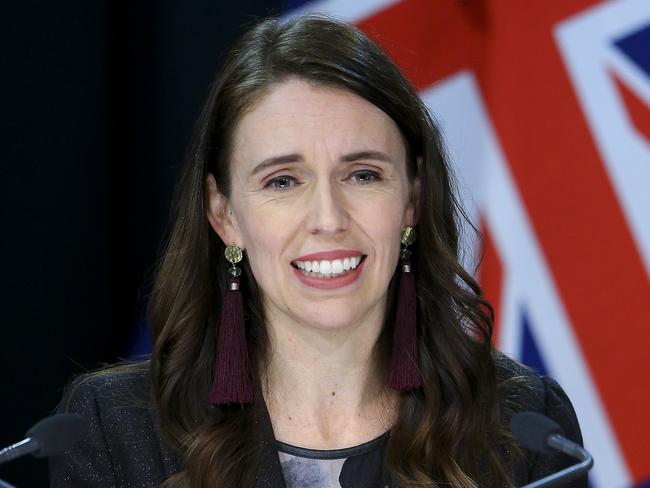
(124, 449)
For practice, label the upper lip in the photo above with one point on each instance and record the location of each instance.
(329, 255)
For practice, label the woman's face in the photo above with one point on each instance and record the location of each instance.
(318, 182)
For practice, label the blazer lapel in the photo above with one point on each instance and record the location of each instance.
(270, 472)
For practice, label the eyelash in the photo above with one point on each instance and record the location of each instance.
(272, 182)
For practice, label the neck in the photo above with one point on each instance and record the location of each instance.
(323, 387)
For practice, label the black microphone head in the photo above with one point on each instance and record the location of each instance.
(57, 433)
(533, 429)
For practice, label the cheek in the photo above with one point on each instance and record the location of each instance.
(264, 239)
(391, 249)
(383, 224)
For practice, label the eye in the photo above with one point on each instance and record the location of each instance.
(365, 176)
(280, 183)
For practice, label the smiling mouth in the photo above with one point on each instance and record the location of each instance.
(327, 269)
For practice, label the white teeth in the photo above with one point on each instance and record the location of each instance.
(327, 269)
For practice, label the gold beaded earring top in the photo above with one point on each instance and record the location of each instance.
(234, 255)
(407, 236)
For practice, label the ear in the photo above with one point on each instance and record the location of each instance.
(219, 213)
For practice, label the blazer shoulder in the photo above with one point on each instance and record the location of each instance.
(122, 446)
(122, 386)
(521, 390)
(524, 389)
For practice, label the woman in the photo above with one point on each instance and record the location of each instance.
(349, 350)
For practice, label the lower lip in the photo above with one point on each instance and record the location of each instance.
(331, 283)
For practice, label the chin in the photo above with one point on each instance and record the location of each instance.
(332, 322)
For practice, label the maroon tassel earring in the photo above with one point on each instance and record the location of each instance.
(232, 383)
(404, 373)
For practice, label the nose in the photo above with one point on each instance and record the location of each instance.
(328, 214)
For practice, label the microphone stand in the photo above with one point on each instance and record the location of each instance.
(558, 442)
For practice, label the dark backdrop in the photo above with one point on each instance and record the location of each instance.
(98, 100)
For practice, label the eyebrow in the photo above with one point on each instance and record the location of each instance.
(276, 161)
(297, 158)
(372, 155)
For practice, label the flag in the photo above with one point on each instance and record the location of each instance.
(545, 111)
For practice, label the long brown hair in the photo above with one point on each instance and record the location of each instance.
(449, 431)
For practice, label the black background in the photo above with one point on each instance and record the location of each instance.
(98, 100)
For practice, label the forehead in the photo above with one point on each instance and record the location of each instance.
(299, 117)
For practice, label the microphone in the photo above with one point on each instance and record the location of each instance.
(48, 437)
(538, 433)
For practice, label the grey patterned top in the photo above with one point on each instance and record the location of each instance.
(359, 466)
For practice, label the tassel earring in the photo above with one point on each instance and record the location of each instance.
(232, 383)
(404, 372)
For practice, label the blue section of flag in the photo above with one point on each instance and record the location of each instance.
(637, 47)
(530, 354)
(288, 5)
(139, 344)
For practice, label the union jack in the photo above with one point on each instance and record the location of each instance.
(545, 107)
